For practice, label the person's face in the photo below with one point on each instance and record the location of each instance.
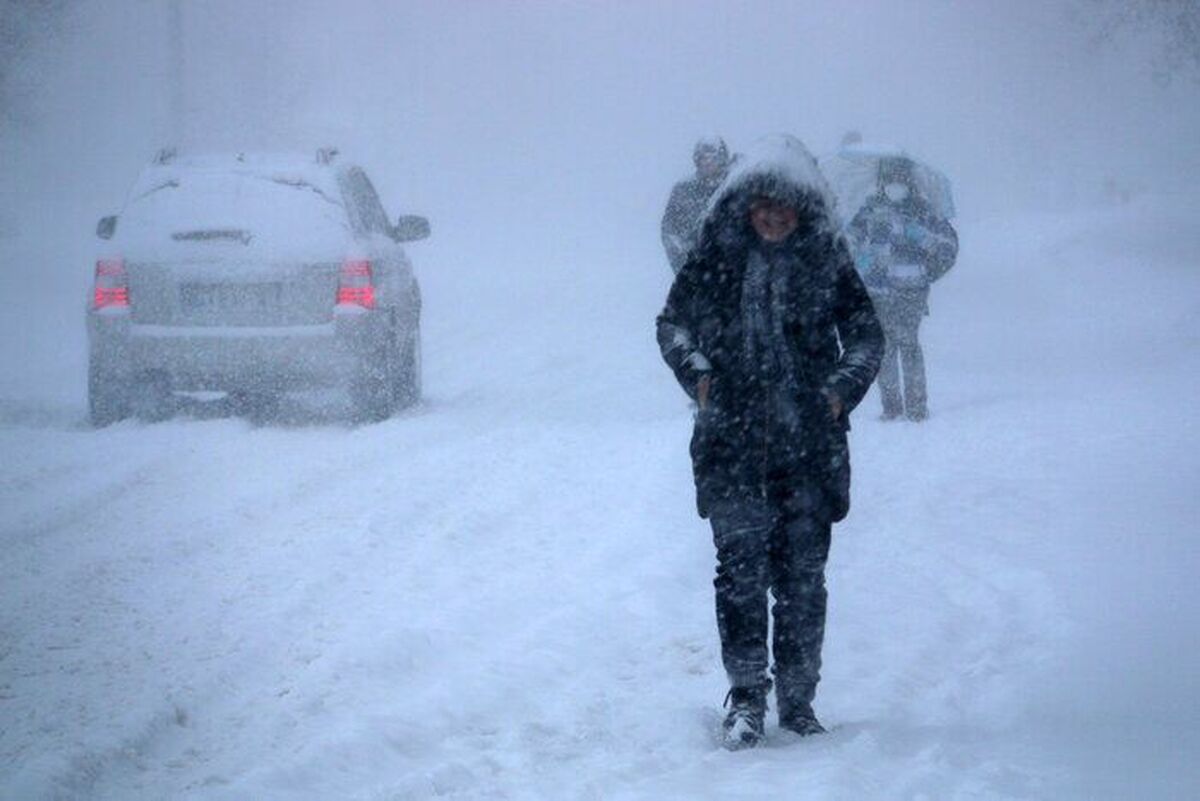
(897, 191)
(709, 165)
(773, 221)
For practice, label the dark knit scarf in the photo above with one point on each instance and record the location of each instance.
(764, 341)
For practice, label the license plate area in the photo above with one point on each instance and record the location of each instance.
(209, 299)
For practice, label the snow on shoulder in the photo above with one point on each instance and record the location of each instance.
(778, 165)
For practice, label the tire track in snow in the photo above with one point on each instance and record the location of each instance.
(148, 563)
(355, 559)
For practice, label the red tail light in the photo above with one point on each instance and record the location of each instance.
(355, 286)
(112, 285)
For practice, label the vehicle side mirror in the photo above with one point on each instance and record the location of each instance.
(106, 227)
(410, 228)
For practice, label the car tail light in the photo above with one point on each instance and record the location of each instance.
(355, 286)
(112, 285)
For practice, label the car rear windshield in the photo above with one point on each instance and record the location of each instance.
(236, 208)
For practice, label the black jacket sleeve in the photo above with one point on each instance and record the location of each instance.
(859, 332)
(676, 331)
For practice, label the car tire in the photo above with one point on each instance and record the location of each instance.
(408, 374)
(150, 399)
(371, 388)
(257, 406)
(108, 396)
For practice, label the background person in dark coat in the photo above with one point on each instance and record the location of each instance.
(685, 208)
(902, 247)
(769, 328)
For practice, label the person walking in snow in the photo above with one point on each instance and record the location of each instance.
(681, 219)
(902, 247)
(768, 327)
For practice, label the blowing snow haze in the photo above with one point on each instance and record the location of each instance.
(505, 117)
(546, 133)
(1014, 580)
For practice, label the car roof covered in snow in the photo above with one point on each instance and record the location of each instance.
(282, 167)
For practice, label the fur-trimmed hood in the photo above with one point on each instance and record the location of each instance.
(777, 166)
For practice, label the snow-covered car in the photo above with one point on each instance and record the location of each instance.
(255, 276)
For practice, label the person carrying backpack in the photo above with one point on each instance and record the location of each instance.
(902, 247)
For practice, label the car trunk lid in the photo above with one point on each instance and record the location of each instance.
(232, 293)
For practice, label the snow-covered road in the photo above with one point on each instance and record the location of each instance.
(506, 593)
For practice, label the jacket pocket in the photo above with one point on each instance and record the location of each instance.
(704, 430)
(712, 458)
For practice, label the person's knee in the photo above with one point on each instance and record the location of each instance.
(800, 601)
(742, 568)
(800, 572)
(740, 529)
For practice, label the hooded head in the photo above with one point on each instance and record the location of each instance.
(896, 180)
(851, 138)
(711, 157)
(778, 169)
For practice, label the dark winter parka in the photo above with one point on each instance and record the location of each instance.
(759, 435)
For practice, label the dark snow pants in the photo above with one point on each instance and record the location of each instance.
(781, 546)
(901, 319)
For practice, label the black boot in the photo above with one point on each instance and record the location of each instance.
(799, 718)
(745, 721)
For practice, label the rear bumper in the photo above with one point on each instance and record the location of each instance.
(196, 358)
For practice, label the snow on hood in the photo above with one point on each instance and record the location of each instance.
(781, 167)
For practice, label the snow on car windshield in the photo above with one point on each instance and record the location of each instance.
(281, 213)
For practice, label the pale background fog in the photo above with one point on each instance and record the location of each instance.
(545, 136)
